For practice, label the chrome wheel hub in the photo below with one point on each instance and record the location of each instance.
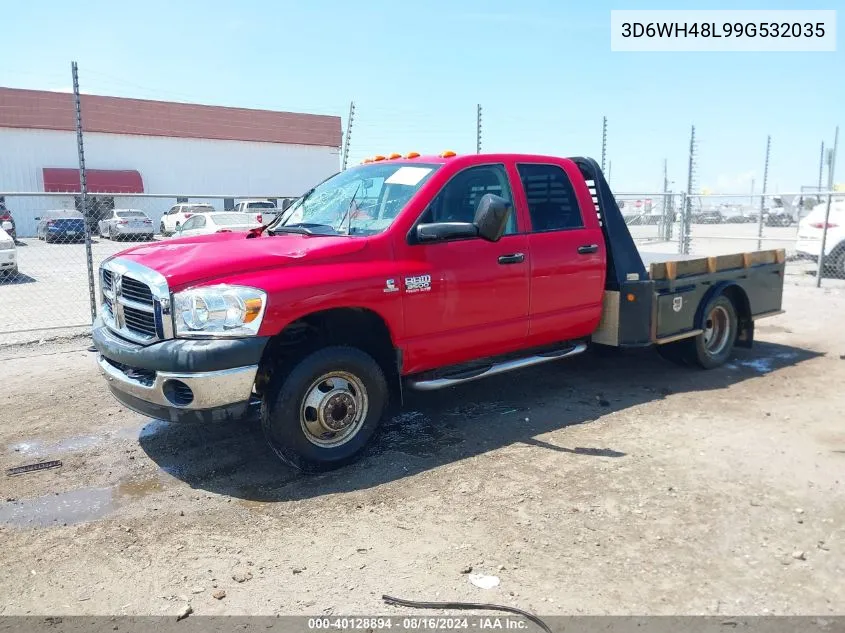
(334, 409)
(717, 330)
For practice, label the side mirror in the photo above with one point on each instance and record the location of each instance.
(37, 218)
(440, 231)
(7, 226)
(491, 217)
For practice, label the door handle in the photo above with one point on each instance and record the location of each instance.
(586, 249)
(515, 258)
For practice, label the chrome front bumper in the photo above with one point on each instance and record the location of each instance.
(210, 390)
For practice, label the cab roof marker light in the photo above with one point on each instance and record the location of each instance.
(394, 155)
(378, 158)
(412, 155)
(447, 154)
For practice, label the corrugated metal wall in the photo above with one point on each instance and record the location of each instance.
(167, 165)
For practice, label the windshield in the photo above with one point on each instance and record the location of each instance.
(261, 205)
(199, 208)
(232, 219)
(362, 200)
(131, 214)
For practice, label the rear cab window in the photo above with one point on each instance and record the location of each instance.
(552, 202)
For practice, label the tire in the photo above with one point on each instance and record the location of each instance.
(704, 350)
(161, 229)
(339, 380)
(715, 345)
(111, 235)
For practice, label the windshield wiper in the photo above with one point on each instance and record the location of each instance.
(257, 231)
(303, 228)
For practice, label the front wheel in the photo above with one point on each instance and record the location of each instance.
(321, 414)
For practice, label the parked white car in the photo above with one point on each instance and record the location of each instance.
(810, 231)
(264, 211)
(119, 223)
(179, 213)
(8, 251)
(218, 222)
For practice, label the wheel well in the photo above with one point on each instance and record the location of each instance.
(745, 324)
(356, 327)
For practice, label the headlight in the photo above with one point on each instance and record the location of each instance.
(220, 310)
(6, 245)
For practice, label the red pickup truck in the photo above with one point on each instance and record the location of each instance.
(407, 272)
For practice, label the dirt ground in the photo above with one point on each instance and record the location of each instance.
(596, 485)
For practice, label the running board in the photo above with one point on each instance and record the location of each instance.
(497, 368)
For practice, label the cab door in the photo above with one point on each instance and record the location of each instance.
(568, 259)
(466, 298)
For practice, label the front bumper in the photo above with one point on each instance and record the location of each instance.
(180, 380)
(134, 230)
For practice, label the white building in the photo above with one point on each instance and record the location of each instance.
(135, 146)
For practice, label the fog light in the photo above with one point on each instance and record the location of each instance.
(177, 393)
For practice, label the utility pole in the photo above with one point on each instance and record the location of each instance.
(348, 135)
(686, 235)
(831, 167)
(604, 144)
(763, 196)
(83, 190)
(478, 129)
(666, 233)
(821, 167)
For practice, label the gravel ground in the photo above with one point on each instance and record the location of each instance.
(596, 485)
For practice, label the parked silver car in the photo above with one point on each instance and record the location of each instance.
(120, 223)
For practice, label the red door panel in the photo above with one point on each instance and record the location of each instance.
(567, 263)
(566, 287)
(475, 306)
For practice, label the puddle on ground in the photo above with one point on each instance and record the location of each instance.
(77, 506)
(140, 488)
(65, 508)
(763, 365)
(36, 448)
(39, 448)
(414, 433)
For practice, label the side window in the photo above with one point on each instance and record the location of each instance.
(200, 221)
(173, 210)
(457, 201)
(189, 224)
(552, 204)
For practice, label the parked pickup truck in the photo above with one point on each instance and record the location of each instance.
(262, 211)
(407, 273)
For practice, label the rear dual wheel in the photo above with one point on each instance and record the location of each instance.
(714, 346)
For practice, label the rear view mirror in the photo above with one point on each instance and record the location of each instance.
(491, 217)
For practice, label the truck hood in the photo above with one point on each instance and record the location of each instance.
(192, 260)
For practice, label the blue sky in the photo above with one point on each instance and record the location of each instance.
(542, 70)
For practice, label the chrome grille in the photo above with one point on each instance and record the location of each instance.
(135, 301)
(140, 321)
(137, 291)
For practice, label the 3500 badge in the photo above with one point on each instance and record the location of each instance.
(421, 283)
